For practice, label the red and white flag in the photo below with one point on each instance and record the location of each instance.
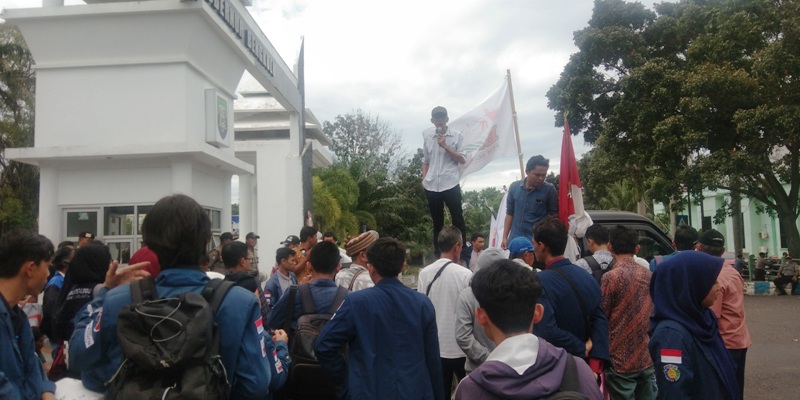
(570, 193)
(488, 130)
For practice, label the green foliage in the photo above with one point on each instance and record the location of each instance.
(479, 206)
(19, 183)
(620, 196)
(692, 95)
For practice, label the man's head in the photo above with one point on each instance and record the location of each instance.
(387, 256)
(489, 257)
(597, 237)
(536, 170)
(285, 257)
(26, 255)
(234, 256)
(225, 238)
(177, 229)
(308, 236)
(450, 240)
(508, 297)
(685, 237)
(439, 117)
(711, 242)
(549, 239)
(624, 241)
(62, 257)
(251, 239)
(329, 237)
(324, 258)
(291, 241)
(356, 246)
(85, 238)
(478, 241)
(522, 248)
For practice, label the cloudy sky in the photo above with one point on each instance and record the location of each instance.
(397, 60)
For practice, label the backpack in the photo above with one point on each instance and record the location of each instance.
(306, 376)
(597, 270)
(170, 346)
(569, 388)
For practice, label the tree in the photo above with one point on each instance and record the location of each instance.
(479, 206)
(360, 137)
(19, 183)
(696, 94)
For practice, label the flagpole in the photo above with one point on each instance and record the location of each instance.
(516, 127)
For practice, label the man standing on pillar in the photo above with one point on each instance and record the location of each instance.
(443, 151)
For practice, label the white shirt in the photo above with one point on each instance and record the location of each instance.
(444, 296)
(443, 172)
(345, 276)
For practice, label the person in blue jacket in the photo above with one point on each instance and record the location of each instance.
(24, 267)
(390, 331)
(177, 229)
(573, 317)
(688, 353)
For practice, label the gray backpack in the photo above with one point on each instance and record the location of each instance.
(170, 346)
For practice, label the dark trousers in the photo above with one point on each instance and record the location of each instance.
(450, 367)
(739, 357)
(782, 280)
(436, 202)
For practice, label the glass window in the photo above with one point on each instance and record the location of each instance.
(81, 221)
(216, 217)
(118, 221)
(120, 251)
(142, 212)
(650, 245)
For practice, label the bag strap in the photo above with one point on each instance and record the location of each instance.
(586, 318)
(215, 292)
(353, 281)
(569, 381)
(593, 264)
(337, 301)
(306, 300)
(143, 289)
(438, 273)
(287, 321)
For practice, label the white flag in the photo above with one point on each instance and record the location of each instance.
(498, 224)
(488, 130)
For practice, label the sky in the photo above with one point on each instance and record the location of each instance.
(397, 60)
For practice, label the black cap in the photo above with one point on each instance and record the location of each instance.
(87, 235)
(252, 235)
(712, 238)
(291, 240)
(227, 236)
(439, 111)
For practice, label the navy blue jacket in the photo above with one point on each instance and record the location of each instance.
(246, 348)
(687, 374)
(323, 291)
(393, 344)
(563, 323)
(22, 375)
(273, 287)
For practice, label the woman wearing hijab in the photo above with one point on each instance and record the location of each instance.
(688, 353)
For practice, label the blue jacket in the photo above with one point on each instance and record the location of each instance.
(246, 348)
(563, 323)
(22, 375)
(393, 344)
(273, 287)
(684, 370)
(323, 291)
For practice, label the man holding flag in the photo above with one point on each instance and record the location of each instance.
(529, 201)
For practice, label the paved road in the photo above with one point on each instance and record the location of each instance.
(772, 362)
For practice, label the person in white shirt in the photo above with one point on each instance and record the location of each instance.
(356, 277)
(478, 243)
(442, 152)
(442, 281)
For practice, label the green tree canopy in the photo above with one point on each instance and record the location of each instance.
(692, 95)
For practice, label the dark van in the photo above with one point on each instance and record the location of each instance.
(652, 240)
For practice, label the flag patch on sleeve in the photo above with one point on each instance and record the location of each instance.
(670, 356)
(259, 326)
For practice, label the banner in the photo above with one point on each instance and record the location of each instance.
(488, 130)
(570, 192)
(496, 229)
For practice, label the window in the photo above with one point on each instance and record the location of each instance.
(81, 221)
(706, 223)
(118, 221)
(784, 236)
(142, 212)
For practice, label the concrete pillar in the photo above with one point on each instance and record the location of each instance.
(245, 205)
(225, 223)
(49, 211)
(181, 177)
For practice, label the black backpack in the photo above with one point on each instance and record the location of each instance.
(597, 270)
(306, 376)
(170, 346)
(569, 388)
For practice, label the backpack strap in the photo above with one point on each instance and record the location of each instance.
(593, 264)
(569, 381)
(287, 321)
(337, 301)
(143, 289)
(306, 300)
(438, 273)
(353, 281)
(586, 318)
(215, 292)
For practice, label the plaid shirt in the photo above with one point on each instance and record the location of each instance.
(529, 206)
